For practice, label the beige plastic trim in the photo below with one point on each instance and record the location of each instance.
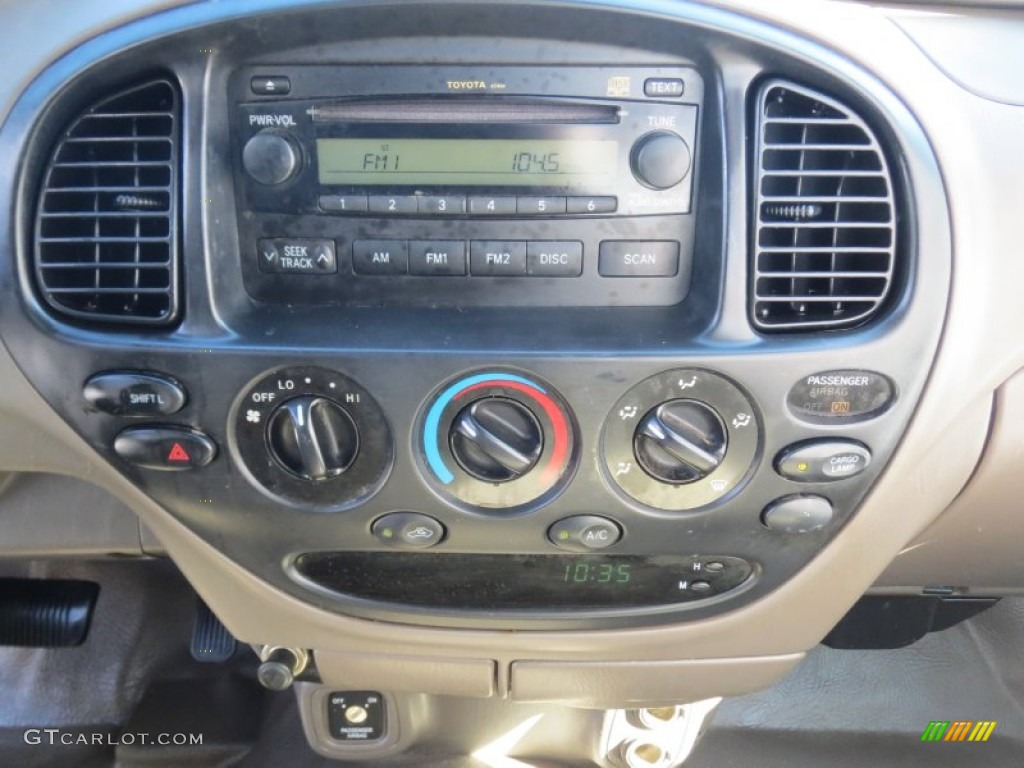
(419, 674)
(643, 683)
(975, 546)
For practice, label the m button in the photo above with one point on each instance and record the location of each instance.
(638, 258)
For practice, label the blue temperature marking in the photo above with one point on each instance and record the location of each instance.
(430, 426)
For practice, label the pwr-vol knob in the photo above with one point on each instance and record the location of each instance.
(497, 441)
(271, 158)
(680, 441)
(313, 437)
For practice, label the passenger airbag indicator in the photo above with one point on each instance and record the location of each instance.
(841, 397)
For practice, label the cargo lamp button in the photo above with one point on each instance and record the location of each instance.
(584, 533)
(823, 460)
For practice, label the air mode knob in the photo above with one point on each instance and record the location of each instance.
(271, 158)
(313, 437)
(680, 441)
(496, 439)
(660, 160)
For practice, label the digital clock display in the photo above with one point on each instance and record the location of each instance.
(467, 162)
(567, 582)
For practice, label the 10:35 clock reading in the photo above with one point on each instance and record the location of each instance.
(467, 162)
(600, 573)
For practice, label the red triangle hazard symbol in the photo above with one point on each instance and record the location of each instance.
(178, 453)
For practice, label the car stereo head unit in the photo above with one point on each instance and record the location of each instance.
(365, 184)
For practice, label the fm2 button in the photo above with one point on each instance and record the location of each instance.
(408, 530)
(135, 394)
(822, 461)
(584, 533)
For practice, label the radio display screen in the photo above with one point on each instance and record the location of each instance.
(579, 164)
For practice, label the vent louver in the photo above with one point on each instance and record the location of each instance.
(825, 234)
(106, 224)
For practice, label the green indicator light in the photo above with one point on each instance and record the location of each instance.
(803, 466)
(387, 533)
(563, 535)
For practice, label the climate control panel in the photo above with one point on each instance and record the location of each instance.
(495, 496)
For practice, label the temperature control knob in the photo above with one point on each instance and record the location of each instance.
(496, 439)
(313, 437)
(680, 441)
(271, 158)
(660, 160)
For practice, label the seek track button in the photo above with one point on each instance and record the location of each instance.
(296, 256)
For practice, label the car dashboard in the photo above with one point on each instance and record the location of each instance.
(586, 354)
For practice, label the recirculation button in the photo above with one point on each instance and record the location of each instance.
(168, 448)
(135, 393)
(822, 461)
(584, 533)
(408, 530)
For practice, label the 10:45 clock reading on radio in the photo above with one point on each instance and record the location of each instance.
(572, 164)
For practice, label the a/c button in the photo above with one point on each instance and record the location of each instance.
(584, 533)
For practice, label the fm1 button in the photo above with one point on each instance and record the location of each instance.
(408, 530)
(584, 533)
(822, 461)
(797, 514)
(168, 448)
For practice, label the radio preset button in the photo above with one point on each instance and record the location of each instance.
(295, 256)
(592, 204)
(664, 87)
(492, 206)
(271, 85)
(343, 203)
(638, 258)
(545, 258)
(380, 257)
(392, 204)
(444, 258)
(442, 205)
(503, 258)
(540, 206)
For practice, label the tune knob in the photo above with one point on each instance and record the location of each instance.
(313, 437)
(660, 160)
(496, 439)
(680, 441)
(271, 158)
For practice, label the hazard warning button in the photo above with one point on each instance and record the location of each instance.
(165, 447)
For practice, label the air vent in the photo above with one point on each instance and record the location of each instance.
(825, 235)
(106, 226)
